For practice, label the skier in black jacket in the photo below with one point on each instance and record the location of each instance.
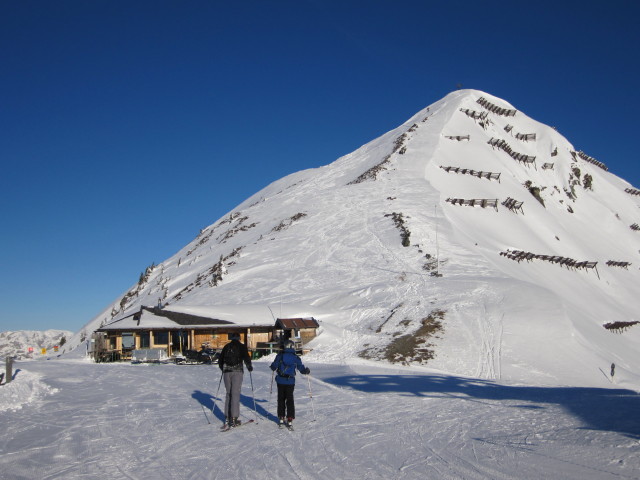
(230, 362)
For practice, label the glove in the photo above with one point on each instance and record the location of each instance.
(250, 368)
(306, 371)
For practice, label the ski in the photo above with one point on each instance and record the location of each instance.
(226, 428)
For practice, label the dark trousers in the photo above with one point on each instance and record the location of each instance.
(286, 407)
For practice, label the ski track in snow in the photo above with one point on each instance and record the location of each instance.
(491, 330)
(141, 421)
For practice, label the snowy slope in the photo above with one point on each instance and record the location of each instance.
(329, 242)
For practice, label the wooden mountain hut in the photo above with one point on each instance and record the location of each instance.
(300, 330)
(170, 331)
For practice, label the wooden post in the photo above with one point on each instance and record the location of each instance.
(9, 370)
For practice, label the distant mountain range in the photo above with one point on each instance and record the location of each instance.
(17, 344)
(471, 238)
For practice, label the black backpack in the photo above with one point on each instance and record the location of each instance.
(232, 354)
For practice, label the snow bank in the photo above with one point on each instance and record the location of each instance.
(26, 388)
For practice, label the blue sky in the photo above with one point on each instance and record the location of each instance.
(127, 126)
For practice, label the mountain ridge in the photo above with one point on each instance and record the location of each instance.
(358, 242)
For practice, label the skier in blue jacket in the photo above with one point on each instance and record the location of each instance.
(285, 365)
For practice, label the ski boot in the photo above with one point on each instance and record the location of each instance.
(281, 423)
(290, 424)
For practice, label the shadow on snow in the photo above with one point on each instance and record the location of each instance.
(207, 401)
(603, 409)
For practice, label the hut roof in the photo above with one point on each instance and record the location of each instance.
(205, 317)
(158, 318)
(288, 323)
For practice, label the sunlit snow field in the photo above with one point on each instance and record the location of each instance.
(357, 421)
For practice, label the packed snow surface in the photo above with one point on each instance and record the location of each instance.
(354, 421)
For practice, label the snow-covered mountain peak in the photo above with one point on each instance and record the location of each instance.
(479, 237)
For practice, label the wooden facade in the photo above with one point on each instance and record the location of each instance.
(173, 332)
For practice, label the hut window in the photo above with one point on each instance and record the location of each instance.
(160, 338)
(128, 341)
(144, 340)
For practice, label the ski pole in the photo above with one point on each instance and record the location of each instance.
(311, 396)
(217, 392)
(271, 389)
(255, 411)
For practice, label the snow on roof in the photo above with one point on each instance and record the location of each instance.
(201, 316)
(241, 315)
(248, 315)
(144, 319)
